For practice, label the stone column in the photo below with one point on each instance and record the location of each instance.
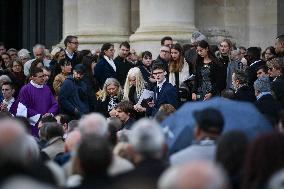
(161, 18)
(262, 22)
(70, 16)
(98, 21)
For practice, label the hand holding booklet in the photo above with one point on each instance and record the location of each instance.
(146, 96)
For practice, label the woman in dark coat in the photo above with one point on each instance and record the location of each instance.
(205, 70)
(105, 67)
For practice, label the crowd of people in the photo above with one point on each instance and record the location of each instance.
(87, 119)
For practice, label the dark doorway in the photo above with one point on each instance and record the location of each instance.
(28, 22)
(11, 23)
(42, 22)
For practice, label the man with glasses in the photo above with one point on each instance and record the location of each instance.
(275, 71)
(71, 46)
(164, 56)
(36, 100)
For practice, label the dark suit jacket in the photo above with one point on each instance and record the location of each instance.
(167, 95)
(252, 71)
(122, 69)
(277, 87)
(268, 106)
(146, 172)
(245, 93)
(75, 59)
(102, 71)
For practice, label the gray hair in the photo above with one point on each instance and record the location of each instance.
(202, 174)
(13, 142)
(39, 46)
(262, 84)
(93, 123)
(111, 81)
(31, 148)
(277, 180)
(4, 78)
(241, 76)
(147, 137)
(24, 53)
(197, 36)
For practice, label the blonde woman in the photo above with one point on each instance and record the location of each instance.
(134, 85)
(110, 96)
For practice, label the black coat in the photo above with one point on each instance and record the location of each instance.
(102, 106)
(252, 69)
(147, 172)
(268, 106)
(245, 93)
(167, 95)
(122, 68)
(278, 89)
(75, 59)
(102, 71)
(198, 76)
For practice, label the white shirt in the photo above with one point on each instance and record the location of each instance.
(36, 85)
(70, 55)
(111, 62)
(161, 84)
(183, 75)
(9, 102)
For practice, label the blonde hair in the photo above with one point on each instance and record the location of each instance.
(110, 81)
(276, 63)
(140, 83)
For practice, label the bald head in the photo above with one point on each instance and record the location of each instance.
(195, 175)
(93, 123)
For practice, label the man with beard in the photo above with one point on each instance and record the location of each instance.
(73, 96)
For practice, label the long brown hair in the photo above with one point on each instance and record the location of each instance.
(177, 65)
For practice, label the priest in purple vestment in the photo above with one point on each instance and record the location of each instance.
(36, 100)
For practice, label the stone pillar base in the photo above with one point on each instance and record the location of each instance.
(96, 41)
(150, 38)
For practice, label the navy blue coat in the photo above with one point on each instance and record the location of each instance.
(102, 71)
(73, 94)
(167, 95)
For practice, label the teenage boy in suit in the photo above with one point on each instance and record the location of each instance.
(164, 92)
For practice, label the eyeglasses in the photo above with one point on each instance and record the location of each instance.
(158, 73)
(164, 51)
(76, 43)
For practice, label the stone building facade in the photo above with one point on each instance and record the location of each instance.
(145, 22)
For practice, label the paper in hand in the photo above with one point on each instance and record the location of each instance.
(146, 94)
